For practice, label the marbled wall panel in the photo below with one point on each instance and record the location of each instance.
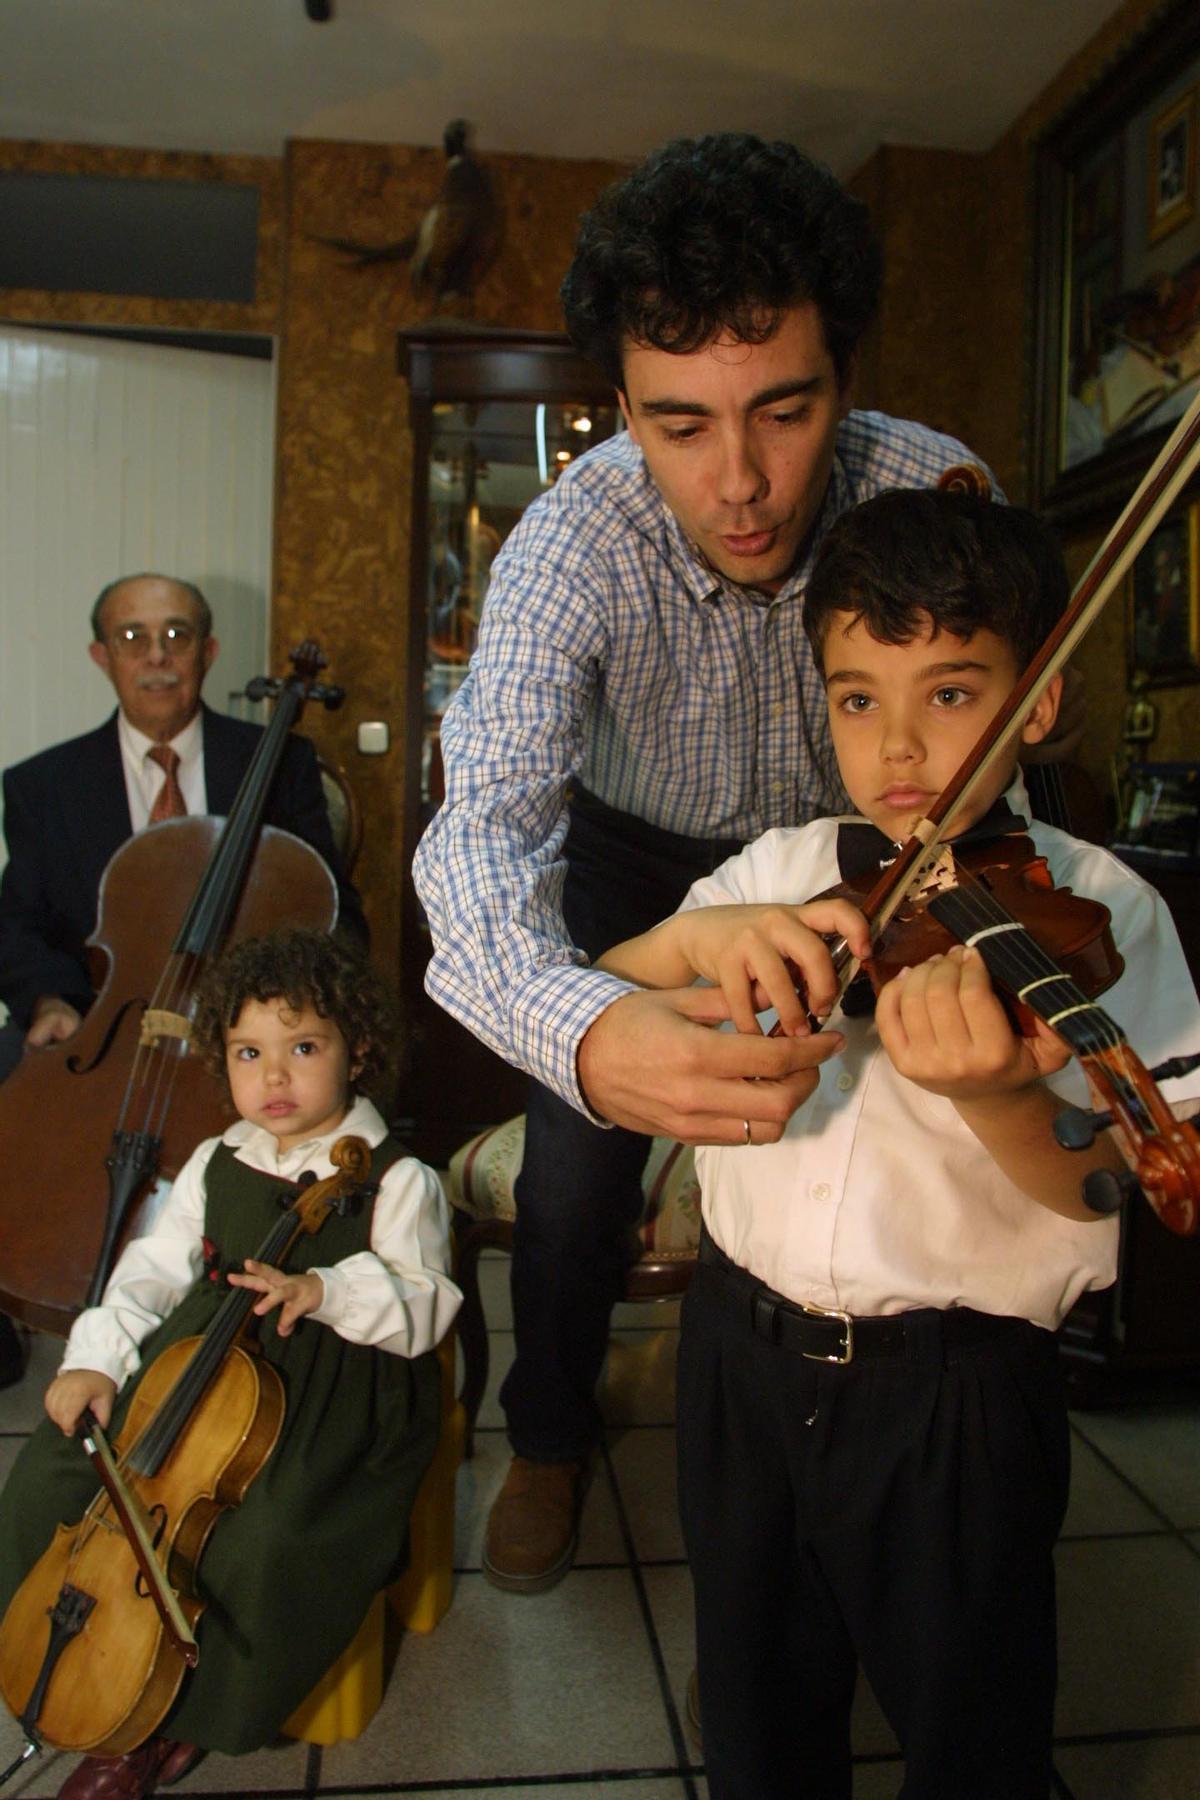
(29, 307)
(919, 363)
(344, 463)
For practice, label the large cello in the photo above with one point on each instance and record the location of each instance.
(88, 1125)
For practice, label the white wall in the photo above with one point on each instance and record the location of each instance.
(117, 457)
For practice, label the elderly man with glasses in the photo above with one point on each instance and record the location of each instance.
(161, 754)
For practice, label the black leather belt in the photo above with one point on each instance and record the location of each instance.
(826, 1335)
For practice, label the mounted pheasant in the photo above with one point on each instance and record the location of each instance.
(456, 240)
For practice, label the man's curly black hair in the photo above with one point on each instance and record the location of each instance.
(304, 968)
(917, 555)
(720, 234)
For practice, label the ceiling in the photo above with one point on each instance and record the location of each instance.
(566, 78)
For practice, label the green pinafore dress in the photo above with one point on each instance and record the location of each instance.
(287, 1576)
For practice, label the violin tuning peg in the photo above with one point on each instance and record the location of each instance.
(1174, 1067)
(330, 697)
(1076, 1129)
(1106, 1190)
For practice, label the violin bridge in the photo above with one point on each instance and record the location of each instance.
(941, 876)
(156, 1023)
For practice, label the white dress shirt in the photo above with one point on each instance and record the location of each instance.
(144, 778)
(878, 1198)
(397, 1296)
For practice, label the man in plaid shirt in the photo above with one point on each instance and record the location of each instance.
(642, 702)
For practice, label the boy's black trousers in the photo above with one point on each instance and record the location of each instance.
(899, 1512)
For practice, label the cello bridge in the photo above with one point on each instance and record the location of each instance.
(156, 1023)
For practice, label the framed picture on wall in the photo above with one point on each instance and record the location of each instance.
(1171, 198)
(1117, 274)
(1163, 603)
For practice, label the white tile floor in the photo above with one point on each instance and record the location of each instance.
(580, 1691)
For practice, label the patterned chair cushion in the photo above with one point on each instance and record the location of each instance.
(483, 1172)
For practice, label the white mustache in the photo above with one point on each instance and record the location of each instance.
(168, 680)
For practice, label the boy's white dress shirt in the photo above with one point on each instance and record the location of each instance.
(397, 1296)
(878, 1198)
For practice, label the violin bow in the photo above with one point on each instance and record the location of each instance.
(129, 1512)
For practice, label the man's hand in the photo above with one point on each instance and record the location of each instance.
(943, 1027)
(69, 1395)
(652, 1063)
(53, 1021)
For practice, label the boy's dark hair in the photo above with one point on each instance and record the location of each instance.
(967, 564)
(720, 234)
(304, 968)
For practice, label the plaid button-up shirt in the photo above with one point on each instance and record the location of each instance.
(611, 653)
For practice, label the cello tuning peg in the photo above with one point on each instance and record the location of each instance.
(1106, 1190)
(1076, 1129)
(330, 697)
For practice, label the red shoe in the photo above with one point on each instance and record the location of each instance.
(159, 1762)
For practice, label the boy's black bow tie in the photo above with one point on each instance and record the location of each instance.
(863, 850)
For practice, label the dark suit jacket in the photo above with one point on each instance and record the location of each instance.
(66, 811)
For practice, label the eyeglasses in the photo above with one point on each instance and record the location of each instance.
(134, 641)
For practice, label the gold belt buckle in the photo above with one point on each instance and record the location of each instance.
(847, 1322)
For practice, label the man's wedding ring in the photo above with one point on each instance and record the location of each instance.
(746, 1138)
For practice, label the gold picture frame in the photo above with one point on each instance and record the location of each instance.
(1171, 161)
(1162, 597)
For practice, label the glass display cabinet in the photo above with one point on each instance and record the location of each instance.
(495, 417)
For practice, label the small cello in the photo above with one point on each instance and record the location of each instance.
(98, 1637)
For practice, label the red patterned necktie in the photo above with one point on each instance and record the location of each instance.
(169, 802)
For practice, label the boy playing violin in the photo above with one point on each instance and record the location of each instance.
(295, 1023)
(873, 1446)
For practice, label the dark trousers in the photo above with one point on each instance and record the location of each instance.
(579, 1191)
(899, 1513)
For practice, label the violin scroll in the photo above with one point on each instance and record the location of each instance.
(1163, 1152)
(351, 1157)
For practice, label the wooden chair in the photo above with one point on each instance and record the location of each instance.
(481, 1187)
(345, 814)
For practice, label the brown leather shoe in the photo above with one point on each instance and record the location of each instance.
(157, 1763)
(534, 1525)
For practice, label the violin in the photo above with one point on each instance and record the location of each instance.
(128, 1100)
(97, 1639)
(1162, 1152)
(976, 894)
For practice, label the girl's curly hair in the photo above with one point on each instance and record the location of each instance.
(304, 968)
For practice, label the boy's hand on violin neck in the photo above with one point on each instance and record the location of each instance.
(294, 1295)
(944, 1029)
(771, 956)
(651, 1062)
(69, 1396)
